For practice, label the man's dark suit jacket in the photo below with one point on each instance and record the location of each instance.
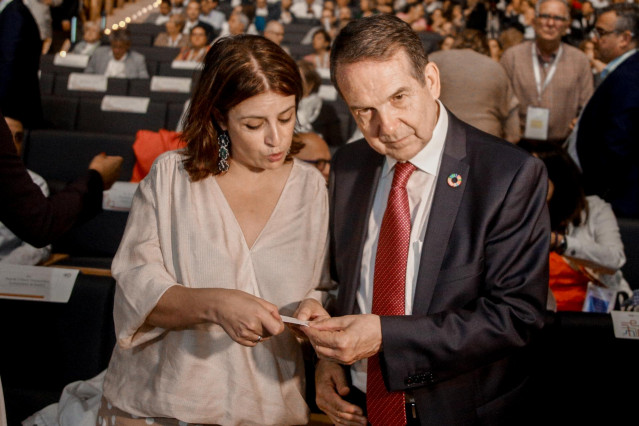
(482, 282)
(20, 49)
(608, 139)
(30, 215)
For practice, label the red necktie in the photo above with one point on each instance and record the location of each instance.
(389, 283)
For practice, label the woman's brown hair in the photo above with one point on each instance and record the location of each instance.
(236, 68)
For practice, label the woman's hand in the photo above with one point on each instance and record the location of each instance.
(310, 310)
(247, 319)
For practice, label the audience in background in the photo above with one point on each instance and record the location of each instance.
(310, 105)
(495, 49)
(91, 35)
(315, 152)
(585, 242)
(321, 42)
(41, 11)
(173, 36)
(193, 18)
(198, 45)
(551, 79)
(165, 12)
(118, 60)
(13, 249)
(307, 9)
(211, 15)
(476, 88)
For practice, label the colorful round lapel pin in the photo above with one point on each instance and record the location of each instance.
(454, 180)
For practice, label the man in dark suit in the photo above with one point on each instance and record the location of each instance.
(473, 253)
(608, 130)
(20, 48)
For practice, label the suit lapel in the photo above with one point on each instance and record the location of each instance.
(446, 202)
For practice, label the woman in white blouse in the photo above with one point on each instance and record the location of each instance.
(223, 238)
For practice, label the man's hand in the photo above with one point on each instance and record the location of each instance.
(109, 167)
(310, 310)
(346, 339)
(330, 387)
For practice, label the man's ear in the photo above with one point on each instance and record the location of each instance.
(431, 74)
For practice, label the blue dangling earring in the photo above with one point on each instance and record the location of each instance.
(223, 142)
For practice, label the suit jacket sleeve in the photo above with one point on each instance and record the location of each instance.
(30, 215)
(510, 281)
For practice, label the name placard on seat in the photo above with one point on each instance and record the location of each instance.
(625, 324)
(87, 82)
(170, 84)
(187, 65)
(71, 60)
(135, 104)
(327, 92)
(38, 283)
(119, 197)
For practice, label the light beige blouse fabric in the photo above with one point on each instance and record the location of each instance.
(184, 233)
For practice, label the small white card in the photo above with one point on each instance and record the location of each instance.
(125, 104)
(71, 60)
(327, 92)
(170, 84)
(625, 324)
(186, 65)
(87, 82)
(119, 197)
(537, 123)
(292, 320)
(37, 283)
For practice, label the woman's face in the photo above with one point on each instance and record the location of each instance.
(198, 38)
(261, 130)
(493, 45)
(319, 42)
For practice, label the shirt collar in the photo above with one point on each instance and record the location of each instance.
(612, 65)
(427, 159)
(122, 59)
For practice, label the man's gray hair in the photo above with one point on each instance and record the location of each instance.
(627, 17)
(564, 2)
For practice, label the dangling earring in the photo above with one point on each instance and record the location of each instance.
(223, 141)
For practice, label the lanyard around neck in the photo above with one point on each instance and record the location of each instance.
(551, 72)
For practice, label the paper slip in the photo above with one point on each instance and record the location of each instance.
(119, 197)
(125, 104)
(87, 82)
(71, 60)
(170, 84)
(327, 92)
(37, 283)
(187, 65)
(625, 324)
(292, 320)
(324, 73)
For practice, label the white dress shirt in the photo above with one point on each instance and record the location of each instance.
(420, 187)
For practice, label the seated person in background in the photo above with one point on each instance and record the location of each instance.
(37, 219)
(177, 6)
(311, 103)
(13, 249)
(281, 11)
(198, 45)
(585, 240)
(117, 60)
(315, 152)
(237, 23)
(192, 14)
(91, 35)
(306, 9)
(164, 15)
(211, 15)
(173, 36)
(322, 50)
(274, 31)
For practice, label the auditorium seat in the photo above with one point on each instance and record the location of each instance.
(629, 229)
(92, 119)
(145, 28)
(115, 86)
(46, 83)
(60, 112)
(142, 87)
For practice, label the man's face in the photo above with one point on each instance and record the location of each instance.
(91, 34)
(193, 11)
(17, 131)
(394, 111)
(608, 44)
(235, 25)
(274, 32)
(119, 48)
(552, 21)
(165, 8)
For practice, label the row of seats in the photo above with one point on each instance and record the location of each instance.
(85, 114)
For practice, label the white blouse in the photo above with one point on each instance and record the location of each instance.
(181, 232)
